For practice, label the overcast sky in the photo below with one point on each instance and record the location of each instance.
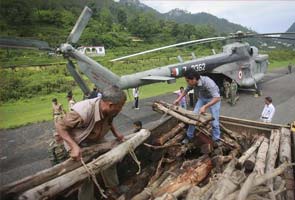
(261, 16)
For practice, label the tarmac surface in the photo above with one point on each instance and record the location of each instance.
(23, 150)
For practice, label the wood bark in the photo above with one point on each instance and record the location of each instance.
(272, 152)
(204, 119)
(17, 187)
(285, 156)
(195, 193)
(167, 136)
(246, 187)
(261, 157)
(192, 175)
(229, 181)
(59, 184)
(250, 151)
(160, 107)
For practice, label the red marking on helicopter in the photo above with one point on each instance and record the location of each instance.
(175, 71)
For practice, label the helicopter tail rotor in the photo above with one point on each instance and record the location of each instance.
(80, 25)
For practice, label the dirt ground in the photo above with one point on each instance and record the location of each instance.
(24, 150)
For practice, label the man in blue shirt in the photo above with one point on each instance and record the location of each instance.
(208, 97)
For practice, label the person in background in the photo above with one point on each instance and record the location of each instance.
(226, 87)
(137, 126)
(71, 100)
(57, 110)
(93, 93)
(289, 68)
(191, 98)
(135, 92)
(209, 98)
(182, 101)
(233, 92)
(268, 110)
(57, 151)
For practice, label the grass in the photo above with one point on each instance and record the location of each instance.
(38, 109)
(278, 64)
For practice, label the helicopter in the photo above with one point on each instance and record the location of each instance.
(238, 61)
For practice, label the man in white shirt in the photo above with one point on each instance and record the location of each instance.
(136, 97)
(268, 110)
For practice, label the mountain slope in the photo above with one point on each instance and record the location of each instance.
(292, 28)
(219, 24)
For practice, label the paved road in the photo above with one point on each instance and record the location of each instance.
(24, 150)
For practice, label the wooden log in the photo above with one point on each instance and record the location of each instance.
(250, 151)
(19, 186)
(196, 193)
(272, 152)
(285, 146)
(285, 156)
(167, 136)
(246, 187)
(249, 164)
(230, 133)
(261, 157)
(193, 175)
(160, 107)
(59, 184)
(269, 175)
(204, 119)
(229, 181)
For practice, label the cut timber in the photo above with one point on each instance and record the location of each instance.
(228, 182)
(249, 164)
(272, 151)
(261, 157)
(250, 151)
(51, 188)
(167, 136)
(263, 178)
(191, 176)
(204, 119)
(26, 183)
(285, 156)
(180, 116)
(246, 186)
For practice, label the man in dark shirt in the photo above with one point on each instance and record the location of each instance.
(209, 97)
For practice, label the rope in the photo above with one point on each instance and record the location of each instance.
(93, 177)
(133, 156)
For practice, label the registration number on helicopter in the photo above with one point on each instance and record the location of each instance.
(198, 67)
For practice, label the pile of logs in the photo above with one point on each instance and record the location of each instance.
(238, 166)
(260, 169)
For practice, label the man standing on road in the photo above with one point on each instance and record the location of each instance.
(233, 92)
(57, 110)
(87, 124)
(289, 68)
(209, 97)
(71, 100)
(268, 110)
(135, 92)
(226, 87)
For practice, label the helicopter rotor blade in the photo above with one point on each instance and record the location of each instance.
(276, 37)
(205, 40)
(80, 25)
(8, 42)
